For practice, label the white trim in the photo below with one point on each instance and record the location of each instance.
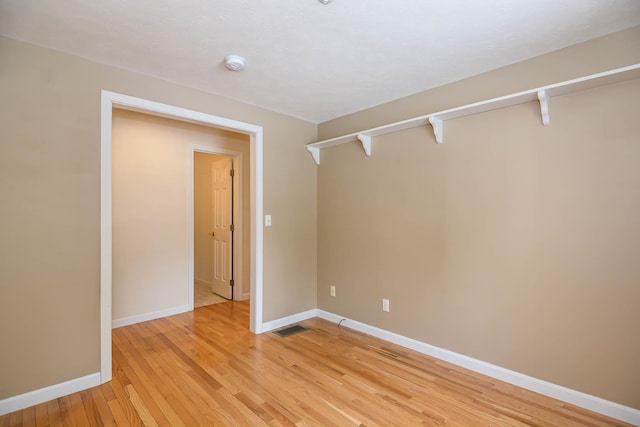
(190, 178)
(35, 397)
(577, 398)
(284, 321)
(106, 237)
(238, 246)
(118, 323)
(257, 230)
(109, 100)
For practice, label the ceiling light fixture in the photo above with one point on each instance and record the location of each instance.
(325, 1)
(234, 62)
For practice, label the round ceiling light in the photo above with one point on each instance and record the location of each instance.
(234, 62)
(325, 1)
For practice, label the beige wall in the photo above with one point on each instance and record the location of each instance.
(512, 242)
(151, 177)
(50, 208)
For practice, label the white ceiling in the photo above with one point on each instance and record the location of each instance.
(310, 60)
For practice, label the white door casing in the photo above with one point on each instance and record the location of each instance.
(221, 234)
(109, 100)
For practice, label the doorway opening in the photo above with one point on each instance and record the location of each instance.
(219, 223)
(109, 101)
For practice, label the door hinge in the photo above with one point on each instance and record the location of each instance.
(232, 283)
(232, 172)
(232, 227)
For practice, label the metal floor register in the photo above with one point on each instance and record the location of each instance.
(290, 330)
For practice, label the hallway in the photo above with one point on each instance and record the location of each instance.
(202, 296)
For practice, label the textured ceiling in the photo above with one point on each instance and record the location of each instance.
(306, 59)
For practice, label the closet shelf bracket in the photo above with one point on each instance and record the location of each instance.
(436, 123)
(366, 143)
(545, 105)
(315, 153)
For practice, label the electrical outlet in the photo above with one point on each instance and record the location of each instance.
(333, 291)
(385, 304)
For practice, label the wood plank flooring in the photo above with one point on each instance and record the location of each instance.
(206, 368)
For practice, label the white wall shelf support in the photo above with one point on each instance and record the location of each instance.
(366, 143)
(436, 123)
(315, 153)
(542, 94)
(545, 105)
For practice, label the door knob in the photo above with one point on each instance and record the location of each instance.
(212, 234)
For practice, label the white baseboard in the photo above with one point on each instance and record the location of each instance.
(284, 321)
(583, 400)
(577, 398)
(55, 391)
(117, 323)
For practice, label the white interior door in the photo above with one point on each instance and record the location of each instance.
(222, 222)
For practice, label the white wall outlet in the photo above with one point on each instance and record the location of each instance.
(333, 291)
(385, 304)
(267, 220)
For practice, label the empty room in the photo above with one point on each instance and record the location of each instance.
(320, 212)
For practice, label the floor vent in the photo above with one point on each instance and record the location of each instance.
(290, 330)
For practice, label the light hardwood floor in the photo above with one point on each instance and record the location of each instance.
(206, 368)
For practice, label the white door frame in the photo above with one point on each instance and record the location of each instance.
(109, 100)
(238, 248)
